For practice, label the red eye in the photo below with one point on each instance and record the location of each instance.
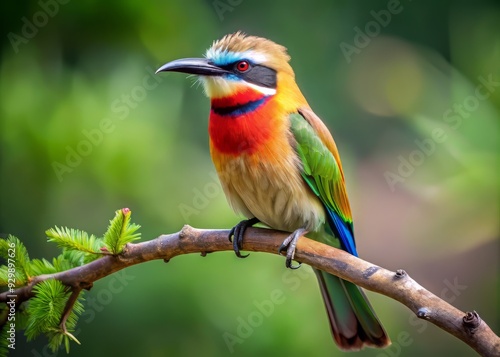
(242, 66)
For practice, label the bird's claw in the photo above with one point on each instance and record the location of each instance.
(289, 245)
(237, 232)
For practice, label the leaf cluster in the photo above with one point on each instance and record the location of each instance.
(43, 313)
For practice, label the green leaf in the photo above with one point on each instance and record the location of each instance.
(66, 260)
(46, 307)
(18, 261)
(4, 342)
(22, 317)
(120, 231)
(3, 276)
(45, 311)
(55, 339)
(42, 266)
(73, 258)
(76, 240)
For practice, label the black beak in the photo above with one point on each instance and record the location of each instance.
(199, 66)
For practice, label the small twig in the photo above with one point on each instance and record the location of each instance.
(75, 292)
(468, 327)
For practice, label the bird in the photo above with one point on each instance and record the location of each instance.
(278, 165)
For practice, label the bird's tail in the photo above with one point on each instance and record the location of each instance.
(352, 319)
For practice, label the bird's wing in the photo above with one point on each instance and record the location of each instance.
(322, 170)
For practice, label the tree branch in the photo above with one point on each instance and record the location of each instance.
(468, 327)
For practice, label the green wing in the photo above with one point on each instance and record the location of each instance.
(352, 319)
(323, 173)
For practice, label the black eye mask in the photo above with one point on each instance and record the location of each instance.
(256, 74)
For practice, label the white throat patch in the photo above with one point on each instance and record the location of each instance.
(218, 87)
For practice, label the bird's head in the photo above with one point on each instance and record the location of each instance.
(238, 63)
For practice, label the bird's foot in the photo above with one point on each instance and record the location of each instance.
(236, 235)
(289, 245)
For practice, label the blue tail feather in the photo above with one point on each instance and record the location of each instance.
(342, 230)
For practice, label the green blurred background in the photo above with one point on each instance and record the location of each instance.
(401, 86)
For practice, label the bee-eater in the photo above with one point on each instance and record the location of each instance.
(278, 164)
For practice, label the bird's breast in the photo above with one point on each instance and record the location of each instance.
(260, 175)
